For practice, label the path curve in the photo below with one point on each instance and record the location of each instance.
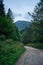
(31, 56)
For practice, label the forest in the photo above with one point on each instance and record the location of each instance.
(12, 41)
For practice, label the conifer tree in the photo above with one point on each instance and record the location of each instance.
(9, 13)
(37, 24)
(2, 11)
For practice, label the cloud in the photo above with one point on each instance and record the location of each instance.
(22, 16)
(18, 18)
(19, 7)
(27, 16)
(17, 15)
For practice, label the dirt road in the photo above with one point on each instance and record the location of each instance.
(31, 56)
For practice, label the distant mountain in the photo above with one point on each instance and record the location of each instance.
(22, 25)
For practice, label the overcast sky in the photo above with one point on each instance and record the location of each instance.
(20, 8)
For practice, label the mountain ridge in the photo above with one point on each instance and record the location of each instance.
(22, 24)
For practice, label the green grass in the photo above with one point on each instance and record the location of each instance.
(36, 45)
(10, 51)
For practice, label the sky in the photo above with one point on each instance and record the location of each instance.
(20, 8)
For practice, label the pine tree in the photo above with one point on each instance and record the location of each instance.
(37, 24)
(10, 14)
(2, 11)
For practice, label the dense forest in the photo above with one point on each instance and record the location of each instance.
(34, 33)
(10, 49)
(12, 40)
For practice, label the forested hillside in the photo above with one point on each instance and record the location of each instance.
(34, 33)
(21, 25)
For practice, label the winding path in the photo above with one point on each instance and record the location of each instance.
(31, 56)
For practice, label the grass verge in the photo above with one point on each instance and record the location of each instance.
(36, 45)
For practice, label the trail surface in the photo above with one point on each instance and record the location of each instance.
(31, 56)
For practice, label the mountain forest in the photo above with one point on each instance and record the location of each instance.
(14, 36)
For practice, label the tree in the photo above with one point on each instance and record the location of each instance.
(2, 11)
(10, 14)
(17, 33)
(27, 35)
(37, 23)
(34, 33)
(7, 27)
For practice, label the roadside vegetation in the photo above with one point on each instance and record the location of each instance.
(35, 45)
(10, 51)
(10, 47)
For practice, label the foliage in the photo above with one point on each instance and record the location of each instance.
(17, 33)
(2, 38)
(9, 13)
(38, 23)
(34, 33)
(7, 28)
(36, 45)
(27, 35)
(2, 11)
(10, 51)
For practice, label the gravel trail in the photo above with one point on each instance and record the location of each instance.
(31, 56)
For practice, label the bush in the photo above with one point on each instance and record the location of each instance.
(2, 37)
(10, 51)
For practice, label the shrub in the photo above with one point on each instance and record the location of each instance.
(2, 37)
(10, 51)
